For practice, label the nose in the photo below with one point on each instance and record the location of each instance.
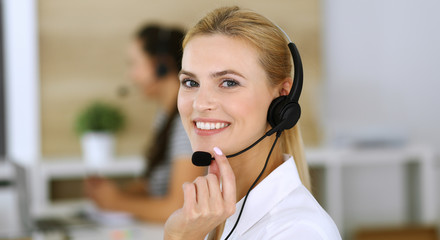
(204, 99)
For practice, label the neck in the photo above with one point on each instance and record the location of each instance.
(248, 165)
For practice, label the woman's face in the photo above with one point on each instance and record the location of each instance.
(224, 94)
(141, 69)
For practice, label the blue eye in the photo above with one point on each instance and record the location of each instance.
(188, 83)
(229, 83)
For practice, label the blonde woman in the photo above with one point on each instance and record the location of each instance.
(235, 62)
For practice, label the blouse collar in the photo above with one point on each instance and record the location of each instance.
(267, 194)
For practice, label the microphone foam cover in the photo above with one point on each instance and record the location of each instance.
(201, 159)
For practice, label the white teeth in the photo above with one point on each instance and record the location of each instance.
(210, 125)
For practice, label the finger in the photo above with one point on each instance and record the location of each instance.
(88, 188)
(105, 180)
(89, 181)
(213, 168)
(214, 186)
(227, 176)
(202, 191)
(94, 181)
(90, 193)
(189, 195)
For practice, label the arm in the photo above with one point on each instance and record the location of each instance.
(136, 187)
(158, 209)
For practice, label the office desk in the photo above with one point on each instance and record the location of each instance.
(9, 226)
(10, 220)
(138, 231)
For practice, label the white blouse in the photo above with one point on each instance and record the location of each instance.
(280, 207)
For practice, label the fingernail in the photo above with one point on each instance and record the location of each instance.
(218, 151)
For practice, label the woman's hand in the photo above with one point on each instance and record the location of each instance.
(103, 192)
(206, 203)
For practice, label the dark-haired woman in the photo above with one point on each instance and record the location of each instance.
(155, 56)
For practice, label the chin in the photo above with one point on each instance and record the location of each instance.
(228, 143)
(205, 147)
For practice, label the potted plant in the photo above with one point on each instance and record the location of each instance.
(97, 125)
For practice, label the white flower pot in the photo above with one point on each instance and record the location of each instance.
(98, 148)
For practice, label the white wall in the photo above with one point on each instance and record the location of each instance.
(382, 65)
(21, 85)
(382, 77)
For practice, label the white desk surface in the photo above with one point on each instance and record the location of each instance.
(9, 226)
(138, 231)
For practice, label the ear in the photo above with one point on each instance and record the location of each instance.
(285, 86)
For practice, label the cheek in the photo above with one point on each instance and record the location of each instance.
(146, 71)
(136, 73)
(184, 105)
(142, 71)
(252, 111)
(250, 117)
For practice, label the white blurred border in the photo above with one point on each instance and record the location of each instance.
(21, 80)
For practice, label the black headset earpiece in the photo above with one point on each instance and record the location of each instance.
(161, 70)
(163, 39)
(283, 114)
(285, 111)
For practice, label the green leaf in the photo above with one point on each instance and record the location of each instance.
(99, 117)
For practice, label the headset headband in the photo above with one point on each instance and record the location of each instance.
(295, 91)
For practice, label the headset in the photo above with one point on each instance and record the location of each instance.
(285, 111)
(163, 42)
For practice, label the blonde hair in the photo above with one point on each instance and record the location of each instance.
(274, 55)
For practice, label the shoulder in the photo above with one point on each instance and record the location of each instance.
(298, 231)
(300, 215)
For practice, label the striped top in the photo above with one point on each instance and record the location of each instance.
(178, 147)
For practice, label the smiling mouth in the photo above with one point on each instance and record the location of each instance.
(211, 125)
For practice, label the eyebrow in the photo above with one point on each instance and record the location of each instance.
(214, 74)
(186, 73)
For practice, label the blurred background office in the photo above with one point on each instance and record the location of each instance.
(370, 101)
